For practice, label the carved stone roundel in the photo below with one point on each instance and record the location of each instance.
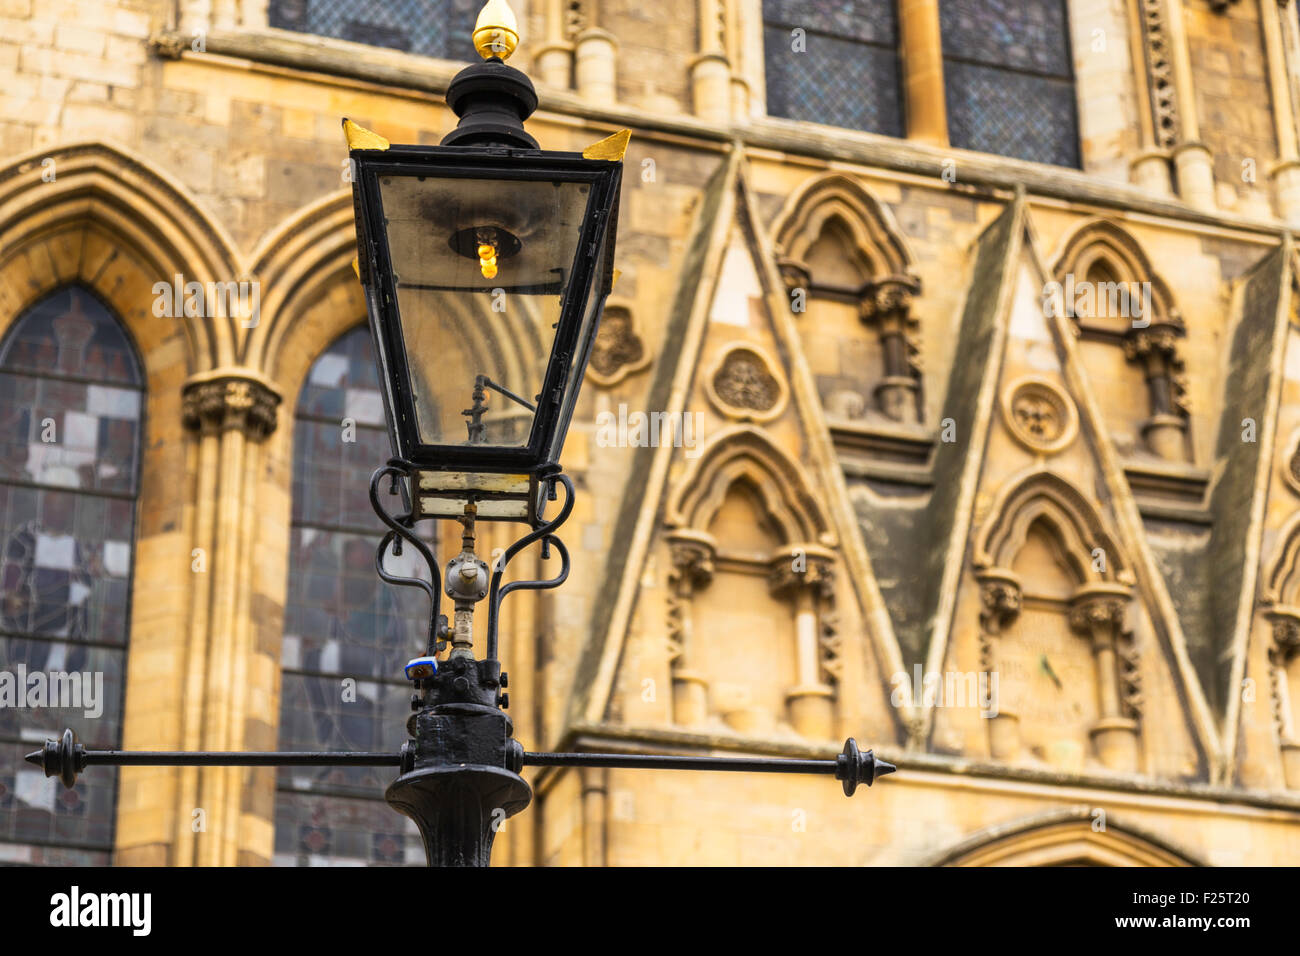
(1040, 415)
(743, 385)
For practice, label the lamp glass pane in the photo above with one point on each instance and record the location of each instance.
(481, 268)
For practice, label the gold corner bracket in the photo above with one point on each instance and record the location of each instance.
(361, 138)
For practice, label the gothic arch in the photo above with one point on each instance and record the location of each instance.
(1043, 496)
(745, 454)
(1282, 584)
(1100, 242)
(878, 244)
(306, 257)
(1063, 838)
(95, 214)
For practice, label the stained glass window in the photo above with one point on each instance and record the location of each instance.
(71, 410)
(438, 28)
(1009, 80)
(834, 62)
(347, 634)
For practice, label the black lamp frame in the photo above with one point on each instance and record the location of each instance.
(556, 400)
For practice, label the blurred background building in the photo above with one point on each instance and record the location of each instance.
(976, 322)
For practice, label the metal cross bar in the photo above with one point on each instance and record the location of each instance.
(851, 767)
(66, 758)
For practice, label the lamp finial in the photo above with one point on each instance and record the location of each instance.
(496, 32)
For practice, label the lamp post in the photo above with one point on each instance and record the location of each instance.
(486, 262)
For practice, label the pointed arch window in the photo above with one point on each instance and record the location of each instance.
(834, 62)
(346, 633)
(1009, 79)
(438, 28)
(71, 418)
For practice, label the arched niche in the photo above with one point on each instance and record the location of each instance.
(846, 262)
(744, 526)
(1130, 330)
(1074, 836)
(1049, 573)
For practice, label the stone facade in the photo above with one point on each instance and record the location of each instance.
(919, 454)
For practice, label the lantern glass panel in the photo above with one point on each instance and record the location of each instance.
(481, 268)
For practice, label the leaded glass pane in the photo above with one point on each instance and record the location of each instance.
(440, 28)
(1028, 35)
(71, 409)
(312, 830)
(838, 82)
(871, 21)
(1011, 114)
(1008, 79)
(347, 633)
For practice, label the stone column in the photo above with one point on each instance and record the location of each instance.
(1285, 173)
(232, 412)
(553, 61)
(253, 14)
(1193, 160)
(1097, 612)
(196, 15)
(926, 111)
(225, 14)
(805, 575)
(885, 305)
(1000, 597)
(692, 568)
(1155, 348)
(595, 66)
(711, 90)
(1284, 649)
(1150, 171)
(595, 801)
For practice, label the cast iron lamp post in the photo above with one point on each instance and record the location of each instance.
(486, 263)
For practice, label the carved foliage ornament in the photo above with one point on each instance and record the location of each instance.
(230, 403)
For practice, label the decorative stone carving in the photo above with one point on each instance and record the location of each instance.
(230, 402)
(1097, 612)
(1000, 598)
(1040, 415)
(815, 571)
(885, 305)
(744, 386)
(692, 554)
(794, 274)
(1285, 646)
(1156, 350)
(805, 575)
(1291, 466)
(1160, 72)
(169, 46)
(618, 350)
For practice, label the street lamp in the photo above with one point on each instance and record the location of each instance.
(486, 262)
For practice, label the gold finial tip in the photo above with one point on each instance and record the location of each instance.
(496, 32)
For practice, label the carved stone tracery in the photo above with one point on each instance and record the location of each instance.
(618, 350)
